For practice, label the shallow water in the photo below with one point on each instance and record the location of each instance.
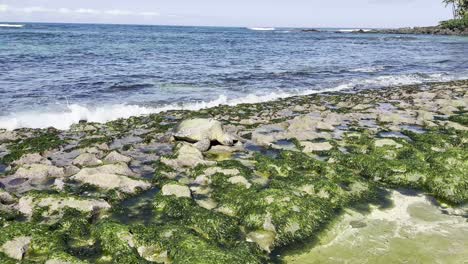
(414, 230)
(58, 74)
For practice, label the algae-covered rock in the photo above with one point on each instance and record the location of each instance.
(315, 147)
(55, 203)
(176, 190)
(38, 173)
(17, 247)
(264, 239)
(87, 160)
(187, 157)
(112, 176)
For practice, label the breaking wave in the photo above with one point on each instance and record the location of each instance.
(75, 112)
(262, 28)
(11, 25)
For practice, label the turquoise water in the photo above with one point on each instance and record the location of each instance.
(58, 74)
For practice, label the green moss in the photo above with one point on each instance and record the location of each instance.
(116, 242)
(42, 141)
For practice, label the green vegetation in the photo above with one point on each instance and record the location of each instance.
(40, 142)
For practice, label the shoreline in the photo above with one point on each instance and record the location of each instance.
(234, 183)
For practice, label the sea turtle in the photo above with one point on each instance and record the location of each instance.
(202, 132)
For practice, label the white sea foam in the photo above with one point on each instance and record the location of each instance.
(262, 28)
(368, 69)
(75, 112)
(11, 25)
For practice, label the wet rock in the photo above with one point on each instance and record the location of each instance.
(16, 248)
(32, 159)
(264, 239)
(153, 254)
(112, 176)
(207, 203)
(116, 157)
(27, 204)
(187, 157)
(313, 147)
(177, 190)
(203, 131)
(213, 170)
(387, 142)
(87, 160)
(240, 180)
(39, 173)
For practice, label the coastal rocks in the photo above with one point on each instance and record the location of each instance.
(87, 160)
(264, 239)
(309, 147)
(201, 132)
(240, 180)
(28, 204)
(38, 173)
(16, 248)
(176, 190)
(387, 142)
(34, 158)
(188, 156)
(112, 176)
(116, 157)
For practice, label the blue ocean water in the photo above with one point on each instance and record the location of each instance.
(58, 74)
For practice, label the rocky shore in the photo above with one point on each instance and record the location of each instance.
(228, 184)
(436, 30)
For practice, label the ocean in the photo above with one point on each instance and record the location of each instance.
(58, 74)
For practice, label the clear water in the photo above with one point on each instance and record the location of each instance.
(57, 74)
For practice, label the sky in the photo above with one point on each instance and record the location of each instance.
(250, 13)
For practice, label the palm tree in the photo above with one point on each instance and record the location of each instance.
(454, 4)
(460, 7)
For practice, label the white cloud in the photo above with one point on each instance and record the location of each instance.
(3, 8)
(118, 12)
(79, 11)
(87, 11)
(34, 9)
(149, 14)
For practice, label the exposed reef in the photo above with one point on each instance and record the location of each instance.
(236, 184)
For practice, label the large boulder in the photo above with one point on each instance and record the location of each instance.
(202, 131)
(112, 176)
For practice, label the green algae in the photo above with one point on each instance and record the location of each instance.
(40, 142)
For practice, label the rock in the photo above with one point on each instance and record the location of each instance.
(187, 157)
(27, 204)
(213, 170)
(6, 136)
(87, 159)
(240, 180)
(207, 203)
(203, 131)
(31, 159)
(177, 190)
(112, 176)
(386, 142)
(116, 157)
(39, 173)
(153, 254)
(264, 239)
(266, 135)
(16, 248)
(6, 198)
(312, 147)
